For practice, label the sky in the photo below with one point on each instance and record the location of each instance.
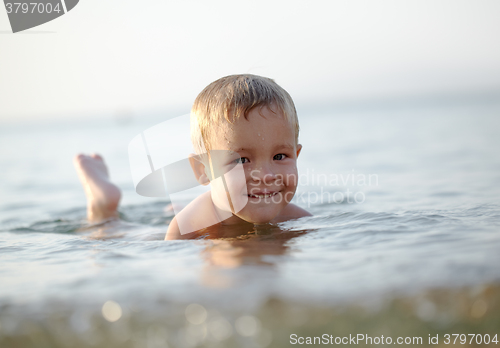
(113, 56)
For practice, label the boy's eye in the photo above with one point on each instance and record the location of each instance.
(279, 157)
(241, 160)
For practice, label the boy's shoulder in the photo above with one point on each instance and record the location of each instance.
(195, 216)
(200, 212)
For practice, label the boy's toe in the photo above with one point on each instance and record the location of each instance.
(79, 158)
(96, 156)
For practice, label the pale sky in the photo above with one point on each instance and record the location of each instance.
(106, 56)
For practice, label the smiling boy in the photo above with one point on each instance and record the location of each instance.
(255, 119)
(253, 123)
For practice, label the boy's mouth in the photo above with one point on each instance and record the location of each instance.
(263, 194)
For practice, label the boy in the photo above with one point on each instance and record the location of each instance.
(250, 120)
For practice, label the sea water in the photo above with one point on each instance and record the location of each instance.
(404, 239)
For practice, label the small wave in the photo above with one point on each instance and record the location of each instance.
(51, 226)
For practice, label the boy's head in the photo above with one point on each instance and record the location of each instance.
(254, 122)
(232, 97)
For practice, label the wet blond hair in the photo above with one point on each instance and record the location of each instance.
(234, 96)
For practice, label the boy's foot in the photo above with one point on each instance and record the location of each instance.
(102, 195)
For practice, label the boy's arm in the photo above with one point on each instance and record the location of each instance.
(173, 231)
(195, 216)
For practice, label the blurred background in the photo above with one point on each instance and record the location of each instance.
(127, 59)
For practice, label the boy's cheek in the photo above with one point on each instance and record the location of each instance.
(236, 187)
(291, 177)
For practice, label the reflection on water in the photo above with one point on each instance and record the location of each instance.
(256, 247)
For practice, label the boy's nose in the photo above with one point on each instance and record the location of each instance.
(264, 174)
(269, 178)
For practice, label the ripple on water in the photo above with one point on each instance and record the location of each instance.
(332, 258)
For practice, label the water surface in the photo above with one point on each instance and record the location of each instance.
(417, 255)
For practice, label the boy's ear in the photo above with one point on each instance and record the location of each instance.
(198, 169)
(299, 148)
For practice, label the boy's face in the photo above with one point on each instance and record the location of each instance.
(265, 142)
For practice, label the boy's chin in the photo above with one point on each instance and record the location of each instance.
(254, 218)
